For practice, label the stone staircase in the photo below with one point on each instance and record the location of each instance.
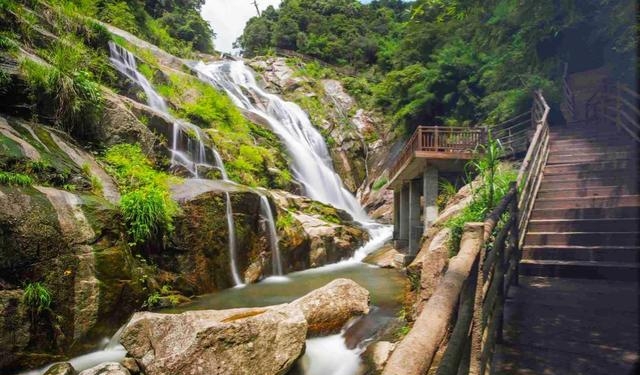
(586, 218)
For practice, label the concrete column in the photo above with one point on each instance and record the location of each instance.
(415, 232)
(430, 193)
(403, 217)
(396, 214)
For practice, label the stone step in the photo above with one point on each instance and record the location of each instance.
(592, 148)
(594, 191)
(568, 142)
(580, 269)
(583, 253)
(586, 213)
(588, 202)
(561, 182)
(610, 165)
(582, 238)
(584, 225)
(590, 157)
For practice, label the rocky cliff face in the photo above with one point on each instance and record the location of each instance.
(358, 138)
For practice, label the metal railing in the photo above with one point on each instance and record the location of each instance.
(617, 105)
(569, 96)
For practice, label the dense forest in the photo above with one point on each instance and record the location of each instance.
(452, 61)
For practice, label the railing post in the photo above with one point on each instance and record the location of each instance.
(515, 234)
(435, 140)
(477, 331)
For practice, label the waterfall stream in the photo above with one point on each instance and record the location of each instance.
(276, 262)
(187, 144)
(311, 163)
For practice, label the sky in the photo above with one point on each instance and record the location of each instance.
(228, 17)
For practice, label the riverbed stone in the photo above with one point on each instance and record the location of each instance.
(131, 365)
(236, 341)
(329, 308)
(109, 368)
(63, 368)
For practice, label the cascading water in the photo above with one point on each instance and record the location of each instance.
(311, 163)
(276, 262)
(125, 62)
(188, 147)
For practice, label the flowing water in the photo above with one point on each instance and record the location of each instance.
(311, 163)
(125, 62)
(276, 262)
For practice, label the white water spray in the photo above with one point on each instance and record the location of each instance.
(276, 262)
(311, 163)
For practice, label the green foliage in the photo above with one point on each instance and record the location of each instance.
(493, 185)
(18, 179)
(147, 206)
(284, 221)
(153, 300)
(453, 62)
(335, 31)
(379, 183)
(37, 298)
(176, 27)
(447, 190)
(63, 89)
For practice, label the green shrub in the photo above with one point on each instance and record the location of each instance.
(37, 297)
(146, 213)
(147, 206)
(494, 184)
(9, 178)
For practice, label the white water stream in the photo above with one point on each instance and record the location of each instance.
(311, 163)
(276, 262)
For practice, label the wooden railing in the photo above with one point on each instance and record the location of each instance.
(615, 104)
(569, 97)
(439, 139)
(469, 301)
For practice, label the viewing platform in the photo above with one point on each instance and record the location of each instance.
(414, 176)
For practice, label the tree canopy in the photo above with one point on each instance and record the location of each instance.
(454, 61)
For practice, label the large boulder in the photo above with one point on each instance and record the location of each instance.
(263, 340)
(327, 309)
(237, 341)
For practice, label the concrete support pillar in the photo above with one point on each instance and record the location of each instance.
(430, 193)
(415, 227)
(403, 217)
(396, 214)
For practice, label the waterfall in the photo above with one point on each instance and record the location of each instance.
(125, 63)
(187, 143)
(311, 163)
(276, 262)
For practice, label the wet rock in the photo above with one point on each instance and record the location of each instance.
(376, 356)
(334, 89)
(16, 332)
(109, 368)
(385, 257)
(327, 309)
(131, 365)
(237, 341)
(63, 368)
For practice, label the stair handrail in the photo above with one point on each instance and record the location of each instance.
(569, 96)
(530, 173)
(615, 104)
